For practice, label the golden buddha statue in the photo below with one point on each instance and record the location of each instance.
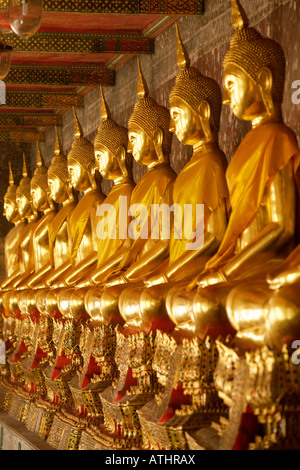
(12, 315)
(261, 182)
(41, 255)
(12, 239)
(195, 108)
(60, 250)
(28, 213)
(260, 234)
(43, 203)
(83, 251)
(150, 145)
(115, 164)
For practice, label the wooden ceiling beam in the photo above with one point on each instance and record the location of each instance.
(60, 76)
(32, 99)
(82, 43)
(24, 120)
(127, 7)
(21, 136)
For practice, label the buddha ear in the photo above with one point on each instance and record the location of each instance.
(265, 84)
(265, 79)
(121, 156)
(91, 170)
(204, 111)
(158, 137)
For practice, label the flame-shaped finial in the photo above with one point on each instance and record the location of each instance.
(24, 172)
(239, 17)
(105, 111)
(183, 59)
(142, 87)
(78, 132)
(57, 146)
(39, 158)
(11, 175)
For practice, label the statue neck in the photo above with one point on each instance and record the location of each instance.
(276, 116)
(122, 180)
(204, 145)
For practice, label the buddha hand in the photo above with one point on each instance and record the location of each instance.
(156, 280)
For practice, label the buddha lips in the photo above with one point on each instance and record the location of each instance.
(160, 222)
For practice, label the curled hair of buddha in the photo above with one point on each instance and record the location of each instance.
(192, 87)
(110, 134)
(24, 185)
(250, 51)
(59, 163)
(82, 150)
(149, 115)
(12, 188)
(40, 176)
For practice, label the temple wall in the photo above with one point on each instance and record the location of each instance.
(206, 39)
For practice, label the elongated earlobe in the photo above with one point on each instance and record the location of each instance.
(265, 83)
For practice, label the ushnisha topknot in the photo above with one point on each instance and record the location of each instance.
(12, 188)
(59, 163)
(24, 185)
(40, 177)
(82, 150)
(192, 87)
(149, 115)
(250, 51)
(110, 134)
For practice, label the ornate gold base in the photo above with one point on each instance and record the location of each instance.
(46, 424)
(173, 434)
(121, 417)
(33, 418)
(65, 434)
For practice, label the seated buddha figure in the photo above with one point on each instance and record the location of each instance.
(261, 179)
(83, 251)
(195, 108)
(12, 239)
(60, 247)
(150, 145)
(40, 251)
(40, 246)
(28, 213)
(114, 164)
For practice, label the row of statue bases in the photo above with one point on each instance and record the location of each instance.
(137, 342)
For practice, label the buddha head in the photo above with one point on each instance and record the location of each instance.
(111, 142)
(10, 208)
(195, 102)
(23, 198)
(148, 128)
(254, 71)
(81, 162)
(39, 186)
(59, 185)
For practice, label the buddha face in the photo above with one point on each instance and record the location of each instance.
(242, 94)
(185, 123)
(78, 175)
(106, 162)
(10, 210)
(23, 204)
(57, 189)
(141, 146)
(39, 198)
